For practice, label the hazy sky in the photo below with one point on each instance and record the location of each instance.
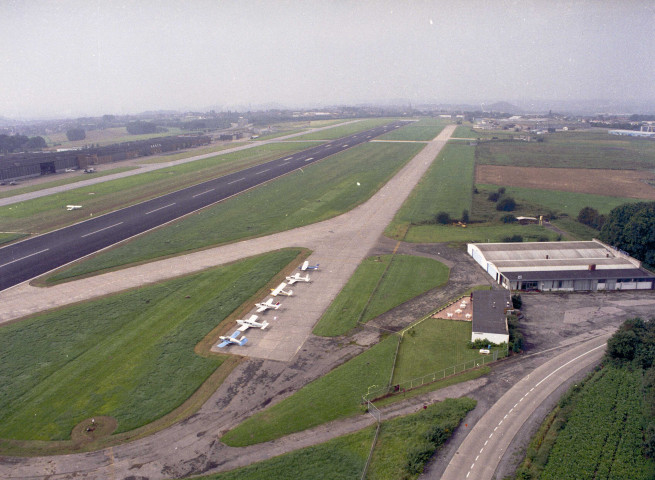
(91, 57)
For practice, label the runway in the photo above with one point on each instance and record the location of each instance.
(35, 256)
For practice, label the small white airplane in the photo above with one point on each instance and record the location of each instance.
(307, 266)
(251, 323)
(73, 207)
(280, 290)
(297, 278)
(232, 339)
(261, 307)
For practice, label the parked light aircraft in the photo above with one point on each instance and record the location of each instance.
(232, 339)
(261, 307)
(73, 207)
(280, 290)
(297, 278)
(251, 323)
(307, 266)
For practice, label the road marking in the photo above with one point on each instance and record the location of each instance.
(476, 459)
(491, 435)
(515, 405)
(285, 163)
(495, 428)
(310, 158)
(288, 158)
(237, 180)
(202, 193)
(102, 229)
(485, 443)
(467, 475)
(344, 146)
(23, 258)
(160, 208)
(500, 423)
(570, 361)
(480, 452)
(504, 417)
(262, 171)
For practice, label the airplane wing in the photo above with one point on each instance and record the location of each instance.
(224, 343)
(261, 308)
(243, 327)
(279, 288)
(235, 334)
(291, 280)
(243, 341)
(304, 265)
(253, 318)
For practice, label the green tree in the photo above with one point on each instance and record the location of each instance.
(631, 227)
(506, 204)
(442, 218)
(75, 134)
(465, 216)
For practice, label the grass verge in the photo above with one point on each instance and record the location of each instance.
(483, 232)
(344, 130)
(378, 285)
(321, 191)
(126, 356)
(423, 130)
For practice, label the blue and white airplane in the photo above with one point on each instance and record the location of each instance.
(307, 266)
(232, 339)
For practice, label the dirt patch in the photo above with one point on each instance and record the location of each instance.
(617, 183)
(92, 429)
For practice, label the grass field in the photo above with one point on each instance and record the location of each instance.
(431, 346)
(106, 136)
(445, 187)
(569, 203)
(344, 457)
(378, 285)
(467, 131)
(190, 153)
(423, 130)
(129, 356)
(10, 237)
(279, 134)
(335, 395)
(596, 432)
(47, 213)
(344, 130)
(320, 191)
(57, 181)
(594, 149)
(478, 232)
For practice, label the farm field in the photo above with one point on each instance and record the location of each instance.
(106, 137)
(595, 149)
(378, 285)
(335, 395)
(585, 447)
(445, 187)
(620, 183)
(345, 130)
(46, 213)
(431, 346)
(321, 191)
(126, 356)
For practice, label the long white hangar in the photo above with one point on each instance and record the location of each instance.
(561, 266)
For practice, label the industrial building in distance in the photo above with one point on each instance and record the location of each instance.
(561, 266)
(23, 165)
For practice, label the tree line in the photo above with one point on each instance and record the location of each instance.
(20, 143)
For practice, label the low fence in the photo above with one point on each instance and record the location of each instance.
(431, 377)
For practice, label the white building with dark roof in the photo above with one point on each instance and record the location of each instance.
(561, 266)
(490, 316)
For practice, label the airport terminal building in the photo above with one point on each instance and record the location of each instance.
(561, 266)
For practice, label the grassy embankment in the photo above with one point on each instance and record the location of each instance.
(344, 130)
(402, 447)
(322, 190)
(378, 285)
(6, 237)
(47, 213)
(129, 356)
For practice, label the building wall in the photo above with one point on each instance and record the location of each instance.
(492, 337)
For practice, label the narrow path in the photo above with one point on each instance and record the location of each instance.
(192, 446)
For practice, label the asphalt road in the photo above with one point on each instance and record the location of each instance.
(35, 256)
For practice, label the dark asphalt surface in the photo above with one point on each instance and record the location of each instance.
(35, 256)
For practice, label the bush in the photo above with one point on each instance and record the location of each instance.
(482, 343)
(514, 238)
(442, 218)
(75, 134)
(493, 196)
(509, 218)
(465, 216)
(506, 204)
(418, 457)
(590, 217)
(517, 301)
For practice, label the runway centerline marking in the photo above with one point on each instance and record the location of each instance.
(160, 208)
(23, 258)
(262, 171)
(102, 229)
(288, 158)
(202, 193)
(310, 158)
(237, 180)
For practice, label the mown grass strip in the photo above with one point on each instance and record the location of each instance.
(336, 395)
(129, 356)
(406, 278)
(318, 192)
(416, 131)
(344, 130)
(478, 233)
(446, 187)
